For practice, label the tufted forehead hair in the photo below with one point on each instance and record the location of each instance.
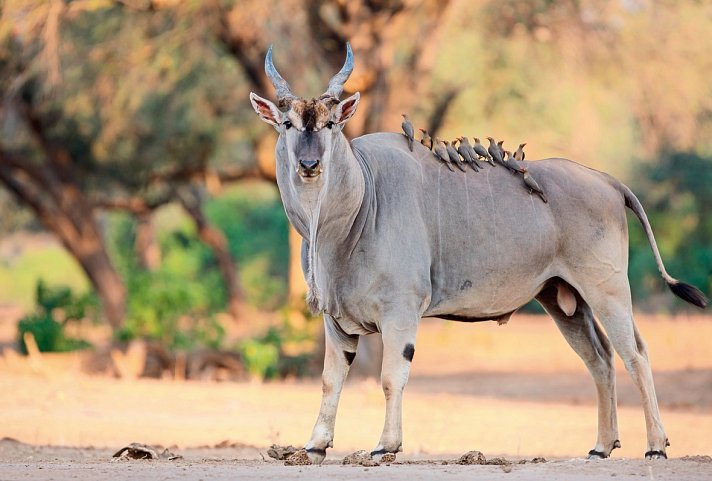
(310, 115)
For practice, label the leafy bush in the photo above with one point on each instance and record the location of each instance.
(257, 231)
(261, 357)
(56, 306)
(265, 356)
(177, 303)
(675, 191)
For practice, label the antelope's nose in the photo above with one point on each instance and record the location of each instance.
(309, 164)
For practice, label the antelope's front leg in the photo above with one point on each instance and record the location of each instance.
(398, 351)
(339, 354)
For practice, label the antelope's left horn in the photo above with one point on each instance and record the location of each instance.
(336, 84)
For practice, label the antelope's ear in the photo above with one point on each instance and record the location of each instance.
(346, 109)
(267, 111)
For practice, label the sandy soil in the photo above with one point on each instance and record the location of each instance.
(516, 391)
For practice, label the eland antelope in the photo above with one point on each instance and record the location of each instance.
(391, 236)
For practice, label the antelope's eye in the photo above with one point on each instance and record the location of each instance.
(287, 124)
(329, 124)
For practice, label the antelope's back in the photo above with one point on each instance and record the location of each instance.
(486, 225)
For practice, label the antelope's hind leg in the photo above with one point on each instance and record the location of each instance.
(590, 343)
(611, 303)
(340, 350)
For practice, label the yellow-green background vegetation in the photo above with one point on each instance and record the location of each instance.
(142, 106)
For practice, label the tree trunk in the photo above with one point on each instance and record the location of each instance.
(147, 248)
(213, 238)
(106, 281)
(68, 214)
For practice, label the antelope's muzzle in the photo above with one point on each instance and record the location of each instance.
(309, 168)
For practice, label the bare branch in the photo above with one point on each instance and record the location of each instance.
(442, 104)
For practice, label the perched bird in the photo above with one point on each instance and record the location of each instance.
(454, 156)
(519, 154)
(427, 141)
(532, 185)
(512, 164)
(501, 149)
(471, 154)
(482, 152)
(466, 157)
(441, 154)
(408, 131)
(494, 152)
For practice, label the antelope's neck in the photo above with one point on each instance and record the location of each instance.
(327, 214)
(342, 196)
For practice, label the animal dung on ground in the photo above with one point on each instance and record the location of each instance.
(472, 457)
(388, 458)
(299, 458)
(498, 461)
(356, 458)
(143, 451)
(359, 458)
(280, 453)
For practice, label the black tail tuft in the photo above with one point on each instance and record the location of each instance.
(689, 293)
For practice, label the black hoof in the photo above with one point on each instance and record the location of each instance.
(593, 454)
(655, 455)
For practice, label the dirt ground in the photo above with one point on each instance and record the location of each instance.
(516, 391)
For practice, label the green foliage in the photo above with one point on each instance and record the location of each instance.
(675, 191)
(177, 303)
(261, 356)
(265, 356)
(20, 273)
(15, 217)
(56, 306)
(131, 96)
(257, 231)
(46, 331)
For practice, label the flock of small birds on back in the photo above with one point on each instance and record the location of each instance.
(469, 155)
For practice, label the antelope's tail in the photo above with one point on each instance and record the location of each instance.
(682, 290)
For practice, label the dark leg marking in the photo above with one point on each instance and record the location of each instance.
(650, 454)
(409, 352)
(598, 454)
(317, 451)
(380, 451)
(349, 357)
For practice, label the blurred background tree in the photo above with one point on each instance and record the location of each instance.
(140, 106)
